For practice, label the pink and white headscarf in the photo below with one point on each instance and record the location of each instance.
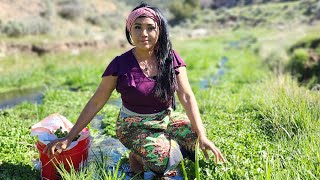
(144, 11)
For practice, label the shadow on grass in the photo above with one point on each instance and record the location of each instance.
(17, 171)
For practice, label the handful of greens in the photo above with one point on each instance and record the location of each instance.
(60, 134)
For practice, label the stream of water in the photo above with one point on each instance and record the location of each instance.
(102, 145)
(35, 95)
(214, 79)
(15, 97)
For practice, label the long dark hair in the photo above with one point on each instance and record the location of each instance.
(166, 77)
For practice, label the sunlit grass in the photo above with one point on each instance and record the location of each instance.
(96, 169)
(26, 71)
(266, 126)
(196, 167)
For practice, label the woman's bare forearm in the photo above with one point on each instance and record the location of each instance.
(94, 105)
(189, 102)
(190, 105)
(87, 114)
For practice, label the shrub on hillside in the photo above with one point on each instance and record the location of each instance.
(71, 9)
(307, 71)
(310, 7)
(297, 62)
(182, 10)
(37, 25)
(49, 10)
(95, 20)
(14, 29)
(29, 26)
(107, 20)
(305, 60)
(317, 14)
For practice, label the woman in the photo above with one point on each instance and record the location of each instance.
(147, 76)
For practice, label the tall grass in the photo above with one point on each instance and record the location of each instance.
(288, 110)
(96, 169)
(266, 126)
(290, 116)
(185, 175)
(197, 168)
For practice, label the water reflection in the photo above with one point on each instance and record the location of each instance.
(214, 79)
(103, 145)
(15, 97)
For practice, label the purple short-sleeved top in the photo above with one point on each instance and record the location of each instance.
(135, 87)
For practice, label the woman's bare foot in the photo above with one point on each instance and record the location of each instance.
(135, 162)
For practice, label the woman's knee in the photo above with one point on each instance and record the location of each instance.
(147, 163)
(158, 152)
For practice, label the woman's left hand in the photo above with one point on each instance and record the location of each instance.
(205, 144)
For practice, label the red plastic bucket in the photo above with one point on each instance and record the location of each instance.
(76, 157)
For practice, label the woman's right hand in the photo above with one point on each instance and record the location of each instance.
(56, 146)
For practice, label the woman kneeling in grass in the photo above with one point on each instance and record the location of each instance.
(147, 76)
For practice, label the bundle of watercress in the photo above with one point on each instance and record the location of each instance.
(60, 134)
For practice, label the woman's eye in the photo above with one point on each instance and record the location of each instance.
(152, 28)
(137, 27)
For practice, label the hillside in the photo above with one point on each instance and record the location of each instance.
(254, 68)
(42, 26)
(56, 17)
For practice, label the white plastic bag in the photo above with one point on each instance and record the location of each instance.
(45, 129)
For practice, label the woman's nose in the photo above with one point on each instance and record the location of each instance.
(144, 32)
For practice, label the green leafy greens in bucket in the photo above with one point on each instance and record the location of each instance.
(60, 134)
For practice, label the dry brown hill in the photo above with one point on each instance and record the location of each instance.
(60, 24)
(17, 10)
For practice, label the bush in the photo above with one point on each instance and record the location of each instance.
(317, 10)
(304, 61)
(107, 20)
(29, 26)
(49, 11)
(14, 29)
(183, 9)
(297, 62)
(37, 25)
(311, 8)
(71, 9)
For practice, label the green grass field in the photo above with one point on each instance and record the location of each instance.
(266, 125)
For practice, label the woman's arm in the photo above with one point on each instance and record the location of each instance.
(189, 102)
(94, 105)
(190, 105)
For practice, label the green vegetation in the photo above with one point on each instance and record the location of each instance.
(265, 123)
(266, 126)
(304, 60)
(60, 134)
(58, 18)
(95, 170)
(182, 10)
(269, 15)
(74, 71)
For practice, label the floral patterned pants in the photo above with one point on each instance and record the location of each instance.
(159, 139)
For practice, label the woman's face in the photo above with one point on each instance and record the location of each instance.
(144, 33)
